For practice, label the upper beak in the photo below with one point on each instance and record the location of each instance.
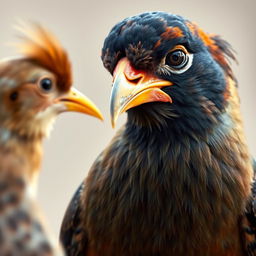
(77, 102)
(133, 87)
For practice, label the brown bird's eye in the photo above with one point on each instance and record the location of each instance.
(14, 96)
(176, 59)
(46, 84)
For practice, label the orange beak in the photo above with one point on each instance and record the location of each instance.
(77, 102)
(133, 87)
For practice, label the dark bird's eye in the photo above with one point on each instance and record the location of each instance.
(14, 96)
(176, 59)
(46, 84)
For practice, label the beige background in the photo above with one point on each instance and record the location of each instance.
(82, 26)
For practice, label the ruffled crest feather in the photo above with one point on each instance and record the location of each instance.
(41, 46)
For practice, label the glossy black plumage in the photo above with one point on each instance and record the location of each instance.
(72, 232)
(176, 178)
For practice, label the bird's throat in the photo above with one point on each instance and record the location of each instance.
(169, 185)
(19, 155)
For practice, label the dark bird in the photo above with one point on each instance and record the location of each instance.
(34, 89)
(176, 179)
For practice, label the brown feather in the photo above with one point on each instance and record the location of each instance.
(41, 46)
(221, 50)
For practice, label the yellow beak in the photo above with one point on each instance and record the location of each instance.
(133, 87)
(77, 102)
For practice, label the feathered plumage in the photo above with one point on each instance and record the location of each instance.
(40, 45)
(34, 89)
(220, 49)
(176, 178)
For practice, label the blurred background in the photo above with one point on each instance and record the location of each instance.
(81, 26)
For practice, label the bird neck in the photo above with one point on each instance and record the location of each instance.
(20, 155)
(177, 178)
(212, 156)
(176, 181)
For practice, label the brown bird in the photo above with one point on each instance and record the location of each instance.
(176, 178)
(34, 89)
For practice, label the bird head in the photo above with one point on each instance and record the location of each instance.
(37, 86)
(166, 70)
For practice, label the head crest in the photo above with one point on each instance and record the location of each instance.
(41, 46)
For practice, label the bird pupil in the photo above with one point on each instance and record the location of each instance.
(176, 59)
(46, 84)
(14, 96)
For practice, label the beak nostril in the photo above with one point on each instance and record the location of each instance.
(135, 79)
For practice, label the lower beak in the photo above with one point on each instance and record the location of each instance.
(133, 87)
(77, 102)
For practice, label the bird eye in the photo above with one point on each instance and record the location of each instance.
(14, 96)
(176, 59)
(46, 84)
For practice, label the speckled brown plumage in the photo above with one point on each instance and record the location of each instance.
(22, 228)
(34, 89)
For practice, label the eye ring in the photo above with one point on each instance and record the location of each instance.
(182, 63)
(46, 84)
